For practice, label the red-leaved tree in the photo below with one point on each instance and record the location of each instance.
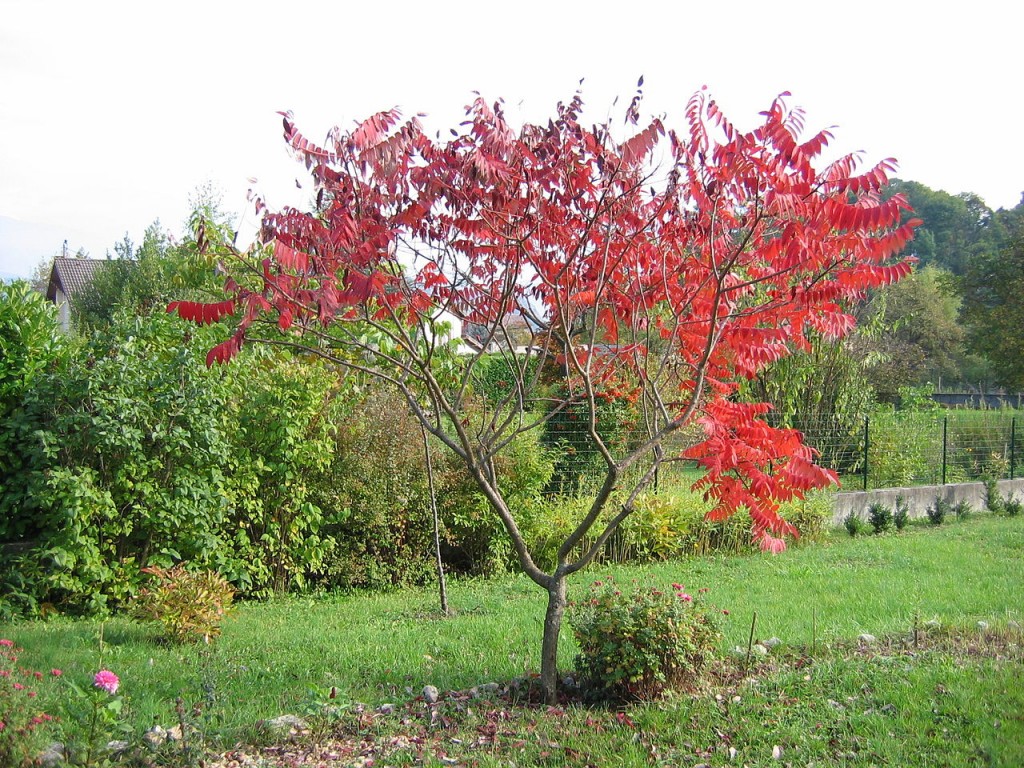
(663, 266)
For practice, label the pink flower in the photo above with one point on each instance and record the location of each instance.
(7, 643)
(685, 597)
(676, 587)
(56, 672)
(107, 681)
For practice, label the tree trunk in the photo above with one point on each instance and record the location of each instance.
(549, 648)
(438, 560)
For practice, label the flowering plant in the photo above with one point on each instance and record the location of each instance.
(99, 709)
(22, 722)
(107, 681)
(636, 643)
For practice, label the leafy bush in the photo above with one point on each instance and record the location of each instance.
(637, 643)
(130, 469)
(853, 524)
(901, 515)
(812, 515)
(31, 345)
(880, 517)
(384, 538)
(190, 604)
(1013, 506)
(670, 524)
(993, 499)
(143, 457)
(962, 510)
(281, 470)
(938, 510)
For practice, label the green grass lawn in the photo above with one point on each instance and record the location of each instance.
(956, 699)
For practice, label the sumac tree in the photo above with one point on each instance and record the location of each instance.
(664, 266)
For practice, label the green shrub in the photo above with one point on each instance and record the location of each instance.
(667, 525)
(31, 346)
(144, 456)
(384, 538)
(938, 510)
(636, 643)
(812, 515)
(130, 469)
(281, 470)
(880, 517)
(901, 515)
(993, 499)
(1013, 506)
(962, 510)
(853, 524)
(190, 604)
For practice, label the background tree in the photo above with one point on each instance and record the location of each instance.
(667, 284)
(138, 278)
(824, 392)
(921, 340)
(953, 227)
(994, 313)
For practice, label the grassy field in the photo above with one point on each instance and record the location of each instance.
(955, 698)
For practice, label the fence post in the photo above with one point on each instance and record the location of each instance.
(945, 430)
(1013, 444)
(866, 420)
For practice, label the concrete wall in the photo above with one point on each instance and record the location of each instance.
(919, 498)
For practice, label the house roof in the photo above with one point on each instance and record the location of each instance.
(71, 275)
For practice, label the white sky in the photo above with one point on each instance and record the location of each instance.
(113, 113)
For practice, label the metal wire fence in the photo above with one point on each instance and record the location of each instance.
(898, 449)
(880, 450)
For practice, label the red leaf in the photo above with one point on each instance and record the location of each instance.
(202, 313)
(225, 351)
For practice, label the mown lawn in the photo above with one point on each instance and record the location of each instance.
(955, 698)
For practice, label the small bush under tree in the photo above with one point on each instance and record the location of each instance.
(635, 643)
